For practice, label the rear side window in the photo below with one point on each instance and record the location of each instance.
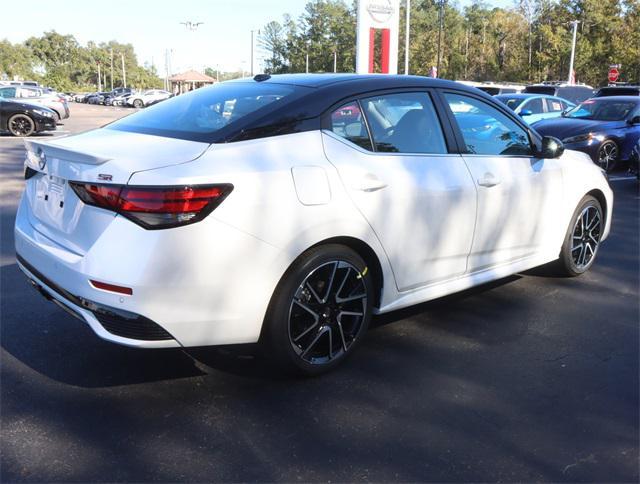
(404, 123)
(8, 92)
(555, 105)
(347, 122)
(534, 105)
(487, 131)
(199, 114)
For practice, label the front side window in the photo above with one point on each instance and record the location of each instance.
(404, 123)
(487, 131)
(348, 122)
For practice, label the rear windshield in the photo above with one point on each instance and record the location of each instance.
(206, 111)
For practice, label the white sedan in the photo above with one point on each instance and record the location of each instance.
(145, 98)
(289, 209)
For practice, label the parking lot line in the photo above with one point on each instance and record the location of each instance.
(620, 178)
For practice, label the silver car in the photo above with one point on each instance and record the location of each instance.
(36, 95)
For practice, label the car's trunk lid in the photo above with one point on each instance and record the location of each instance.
(101, 156)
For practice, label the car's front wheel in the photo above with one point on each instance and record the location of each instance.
(138, 103)
(583, 236)
(21, 125)
(608, 155)
(320, 310)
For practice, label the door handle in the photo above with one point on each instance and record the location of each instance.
(489, 180)
(370, 183)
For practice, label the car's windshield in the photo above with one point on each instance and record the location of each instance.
(512, 102)
(205, 110)
(602, 110)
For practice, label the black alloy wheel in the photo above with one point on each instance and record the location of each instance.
(21, 125)
(582, 241)
(608, 155)
(321, 309)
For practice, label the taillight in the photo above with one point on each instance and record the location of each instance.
(155, 207)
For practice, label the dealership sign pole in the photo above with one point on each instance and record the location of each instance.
(374, 16)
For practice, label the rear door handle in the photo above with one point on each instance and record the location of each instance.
(489, 180)
(370, 183)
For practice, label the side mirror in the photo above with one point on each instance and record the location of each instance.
(552, 147)
(526, 112)
(634, 120)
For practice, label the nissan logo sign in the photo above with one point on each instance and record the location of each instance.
(380, 10)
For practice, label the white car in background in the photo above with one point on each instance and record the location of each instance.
(289, 209)
(145, 98)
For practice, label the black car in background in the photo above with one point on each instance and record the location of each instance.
(23, 119)
(571, 92)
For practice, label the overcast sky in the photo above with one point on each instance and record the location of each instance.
(223, 39)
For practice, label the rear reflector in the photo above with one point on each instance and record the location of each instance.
(111, 287)
(155, 207)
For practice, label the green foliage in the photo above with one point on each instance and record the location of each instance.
(61, 62)
(530, 42)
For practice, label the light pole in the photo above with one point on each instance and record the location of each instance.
(252, 32)
(406, 38)
(571, 79)
(441, 19)
(335, 60)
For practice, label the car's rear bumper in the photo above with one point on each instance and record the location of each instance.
(109, 323)
(195, 283)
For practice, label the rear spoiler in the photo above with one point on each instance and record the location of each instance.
(50, 150)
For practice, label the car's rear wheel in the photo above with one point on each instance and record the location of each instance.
(137, 103)
(582, 240)
(21, 125)
(608, 155)
(320, 310)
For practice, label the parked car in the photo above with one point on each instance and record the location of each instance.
(576, 93)
(534, 107)
(97, 97)
(119, 93)
(24, 119)
(495, 89)
(35, 95)
(286, 223)
(144, 98)
(606, 128)
(618, 91)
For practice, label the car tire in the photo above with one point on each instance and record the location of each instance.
(137, 103)
(320, 310)
(608, 154)
(21, 125)
(582, 239)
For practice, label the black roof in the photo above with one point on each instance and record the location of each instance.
(380, 81)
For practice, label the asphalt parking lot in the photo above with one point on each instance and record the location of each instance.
(530, 378)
